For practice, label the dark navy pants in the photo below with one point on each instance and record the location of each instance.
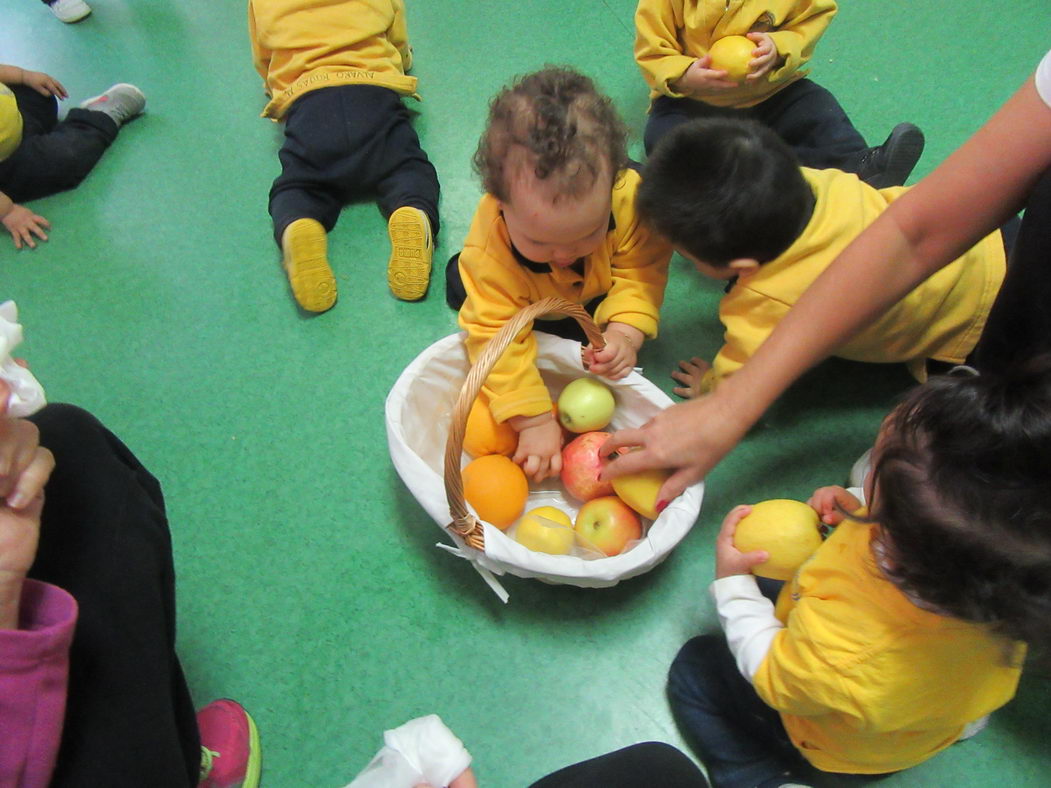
(347, 143)
(54, 155)
(804, 114)
(648, 763)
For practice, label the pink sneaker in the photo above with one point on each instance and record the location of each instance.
(230, 756)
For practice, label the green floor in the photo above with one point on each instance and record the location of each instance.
(309, 585)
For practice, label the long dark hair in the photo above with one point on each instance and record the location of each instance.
(963, 498)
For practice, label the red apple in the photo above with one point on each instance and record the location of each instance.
(607, 524)
(581, 465)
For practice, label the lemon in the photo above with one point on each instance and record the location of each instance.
(787, 530)
(732, 54)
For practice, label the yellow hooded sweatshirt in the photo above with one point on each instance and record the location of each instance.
(941, 319)
(671, 34)
(304, 45)
(867, 682)
(630, 267)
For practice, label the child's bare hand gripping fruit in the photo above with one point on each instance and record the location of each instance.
(728, 559)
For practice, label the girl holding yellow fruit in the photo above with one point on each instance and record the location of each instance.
(909, 624)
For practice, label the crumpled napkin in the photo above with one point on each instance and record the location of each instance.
(421, 750)
(27, 395)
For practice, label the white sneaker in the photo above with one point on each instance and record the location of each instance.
(69, 11)
(122, 102)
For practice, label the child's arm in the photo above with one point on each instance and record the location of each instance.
(797, 36)
(657, 49)
(398, 35)
(44, 84)
(617, 358)
(22, 223)
(539, 449)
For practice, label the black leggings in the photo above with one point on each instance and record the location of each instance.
(104, 539)
(649, 763)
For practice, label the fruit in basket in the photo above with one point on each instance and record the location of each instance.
(732, 54)
(581, 465)
(496, 488)
(787, 530)
(585, 405)
(639, 490)
(607, 524)
(484, 435)
(546, 529)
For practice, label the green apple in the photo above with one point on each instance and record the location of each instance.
(788, 530)
(546, 529)
(585, 405)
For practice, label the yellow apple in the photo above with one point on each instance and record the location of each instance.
(732, 54)
(788, 530)
(639, 490)
(546, 529)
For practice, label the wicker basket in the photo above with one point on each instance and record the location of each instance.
(428, 407)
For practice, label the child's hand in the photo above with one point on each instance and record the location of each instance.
(765, 56)
(539, 445)
(830, 502)
(44, 84)
(617, 358)
(23, 224)
(691, 376)
(700, 79)
(728, 559)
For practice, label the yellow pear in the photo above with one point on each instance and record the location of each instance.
(546, 529)
(639, 490)
(787, 530)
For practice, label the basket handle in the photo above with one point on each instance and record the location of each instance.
(463, 522)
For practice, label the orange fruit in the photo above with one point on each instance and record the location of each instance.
(484, 435)
(496, 488)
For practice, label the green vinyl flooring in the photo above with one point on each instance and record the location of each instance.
(309, 585)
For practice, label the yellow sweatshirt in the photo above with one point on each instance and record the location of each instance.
(671, 34)
(304, 45)
(630, 267)
(941, 319)
(867, 682)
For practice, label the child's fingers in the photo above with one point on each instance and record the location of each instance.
(682, 377)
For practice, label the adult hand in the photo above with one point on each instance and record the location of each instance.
(728, 559)
(23, 224)
(44, 84)
(690, 438)
(24, 469)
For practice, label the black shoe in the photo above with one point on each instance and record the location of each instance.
(891, 163)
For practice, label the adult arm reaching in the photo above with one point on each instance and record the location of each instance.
(979, 186)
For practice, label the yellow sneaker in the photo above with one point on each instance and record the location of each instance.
(305, 248)
(412, 247)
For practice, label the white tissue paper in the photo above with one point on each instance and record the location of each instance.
(422, 750)
(27, 395)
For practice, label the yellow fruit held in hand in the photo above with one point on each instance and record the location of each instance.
(555, 537)
(639, 490)
(732, 54)
(484, 435)
(787, 530)
(496, 488)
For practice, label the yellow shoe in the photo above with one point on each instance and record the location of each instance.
(305, 248)
(412, 247)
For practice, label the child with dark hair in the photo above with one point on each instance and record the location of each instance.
(336, 73)
(908, 625)
(732, 198)
(673, 44)
(558, 219)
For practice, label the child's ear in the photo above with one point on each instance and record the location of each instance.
(744, 266)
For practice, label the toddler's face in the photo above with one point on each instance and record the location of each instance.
(548, 227)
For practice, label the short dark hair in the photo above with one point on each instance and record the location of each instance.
(722, 190)
(559, 118)
(963, 501)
